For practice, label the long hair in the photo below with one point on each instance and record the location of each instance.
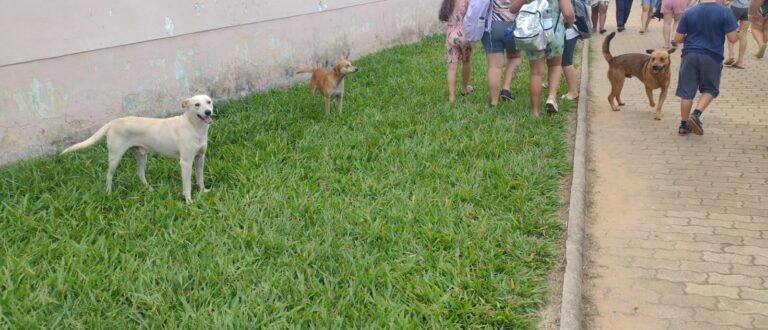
(446, 9)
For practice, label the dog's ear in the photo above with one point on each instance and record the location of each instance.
(671, 50)
(649, 51)
(185, 104)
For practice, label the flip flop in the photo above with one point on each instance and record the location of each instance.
(470, 89)
(674, 44)
(736, 66)
(729, 61)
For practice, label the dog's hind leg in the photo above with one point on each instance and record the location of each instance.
(141, 162)
(616, 86)
(199, 162)
(115, 154)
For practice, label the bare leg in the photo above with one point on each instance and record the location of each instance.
(704, 100)
(595, 14)
(199, 164)
(466, 72)
(537, 73)
(513, 62)
(667, 30)
(495, 64)
(141, 162)
(570, 78)
(603, 12)
(743, 27)
(451, 77)
(685, 109)
(645, 18)
(554, 71)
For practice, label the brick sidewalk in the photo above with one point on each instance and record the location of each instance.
(677, 225)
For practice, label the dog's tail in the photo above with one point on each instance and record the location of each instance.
(310, 70)
(91, 140)
(607, 46)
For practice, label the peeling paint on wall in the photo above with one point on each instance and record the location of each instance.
(34, 100)
(283, 52)
(169, 28)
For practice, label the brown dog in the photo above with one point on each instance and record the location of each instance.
(652, 70)
(330, 82)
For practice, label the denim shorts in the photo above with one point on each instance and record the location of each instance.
(699, 72)
(495, 42)
(568, 49)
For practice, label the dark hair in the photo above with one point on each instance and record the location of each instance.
(446, 9)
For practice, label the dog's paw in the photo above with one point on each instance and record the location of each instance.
(150, 189)
(615, 109)
(205, 190)
(652, 104)
(622, 104)
(657, 118)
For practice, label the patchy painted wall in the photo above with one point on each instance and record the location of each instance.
(70, 68)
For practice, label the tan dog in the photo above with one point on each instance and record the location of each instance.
(183, 137)
(653, 71)
(330, 82)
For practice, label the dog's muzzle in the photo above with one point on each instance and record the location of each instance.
(657, 69)
(207, 119)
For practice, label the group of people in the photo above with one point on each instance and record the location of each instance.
(706, 27)
(504, 58)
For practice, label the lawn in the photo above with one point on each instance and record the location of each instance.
(402, 212)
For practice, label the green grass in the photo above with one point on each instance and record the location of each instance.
(401, 212)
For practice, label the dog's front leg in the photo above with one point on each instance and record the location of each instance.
(186, 177)
(327, 105)
(662, 97)
(199, 162)
(339, 102)
(649, 92)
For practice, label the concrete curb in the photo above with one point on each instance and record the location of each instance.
(570, 304)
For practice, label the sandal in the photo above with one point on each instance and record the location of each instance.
(566, 97)
(729, 61)
(736, 66)
(470, 89)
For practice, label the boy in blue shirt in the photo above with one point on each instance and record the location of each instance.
(702, 30)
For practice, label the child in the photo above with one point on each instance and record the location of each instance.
(457, 48)
(702, 30)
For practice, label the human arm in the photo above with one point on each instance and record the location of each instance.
(733, 36)
(515, 5)
(679, 37)
(569, 16)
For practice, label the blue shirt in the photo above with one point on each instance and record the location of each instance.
(705, 26)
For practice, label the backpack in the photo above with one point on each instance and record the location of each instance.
(534, 26)
(657, 11)
(583, 23)
(476, 19)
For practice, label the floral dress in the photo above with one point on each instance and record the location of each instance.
(457, 48)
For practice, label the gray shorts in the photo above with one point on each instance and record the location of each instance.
(740, 13)
(699, 72)
(495, 42)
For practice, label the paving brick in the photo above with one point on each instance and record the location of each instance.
(719, 239)
(737, 232)
(705, 267)
(665, 311)
(677, 255)
(712, 290)
(699, 246)
(727, 258)
(681, 276)
(735, 280)
(747, 250)
(757, 295)
(761, 322)
(754, 271)
(743, 306)
(689, 300)
(723, 318)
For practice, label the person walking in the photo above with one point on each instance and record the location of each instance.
(739, 9)
(599, 10)
(702, 30)
(623, 7)
(551, 56)
(457, 48)
(758, 14)
(500, 50)
(672, 11)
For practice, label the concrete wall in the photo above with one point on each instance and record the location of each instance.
(67, 67)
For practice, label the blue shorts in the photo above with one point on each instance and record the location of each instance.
(651, 3)
(495, 42)
(568, 49)
(698, 72)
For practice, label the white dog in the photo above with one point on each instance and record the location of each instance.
(182, 137)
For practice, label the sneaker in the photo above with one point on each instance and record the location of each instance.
(696, 125)
(621, 29)
(551, 106)
(507, 95)
(684, 129)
